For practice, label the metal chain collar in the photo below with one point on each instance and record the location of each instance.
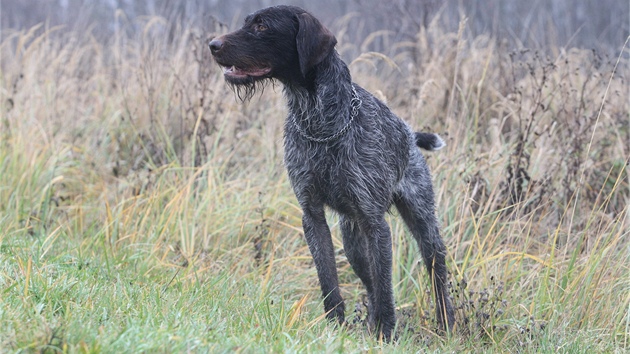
(355, 104)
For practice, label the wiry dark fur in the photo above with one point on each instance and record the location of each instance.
(357, 164)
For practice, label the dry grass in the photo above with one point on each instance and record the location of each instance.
(130, 161)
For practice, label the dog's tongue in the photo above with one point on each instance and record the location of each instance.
(234, 71)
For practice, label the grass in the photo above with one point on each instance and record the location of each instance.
(144, 209)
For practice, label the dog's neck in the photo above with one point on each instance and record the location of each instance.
(320, 106)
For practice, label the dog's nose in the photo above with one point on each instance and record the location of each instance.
(215, 44)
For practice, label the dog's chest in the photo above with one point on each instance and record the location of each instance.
(320, 169)
(315, 163)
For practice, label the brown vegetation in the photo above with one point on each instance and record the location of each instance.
(138, 137)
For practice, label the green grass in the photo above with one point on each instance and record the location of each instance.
(144, 209)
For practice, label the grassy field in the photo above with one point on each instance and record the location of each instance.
(144, 209)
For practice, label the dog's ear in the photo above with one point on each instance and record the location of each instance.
(314, 42)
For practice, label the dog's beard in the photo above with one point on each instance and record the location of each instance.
(246, 89)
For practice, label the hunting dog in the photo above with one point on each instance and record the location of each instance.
(343, 149)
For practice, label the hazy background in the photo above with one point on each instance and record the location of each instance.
(592, 24)
(143, 208)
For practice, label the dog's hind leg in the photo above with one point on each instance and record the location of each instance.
(414, 201)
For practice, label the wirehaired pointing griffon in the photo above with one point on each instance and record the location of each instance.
(343, 149)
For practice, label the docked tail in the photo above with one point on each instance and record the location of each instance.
(429, 141)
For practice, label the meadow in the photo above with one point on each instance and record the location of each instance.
(144, 208)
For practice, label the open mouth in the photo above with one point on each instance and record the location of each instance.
(238, 73)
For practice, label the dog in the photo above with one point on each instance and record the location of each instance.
(346, 150)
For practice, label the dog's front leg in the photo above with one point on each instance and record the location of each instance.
(320, 244)
(382, 316)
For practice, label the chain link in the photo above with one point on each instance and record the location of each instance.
(355, 105)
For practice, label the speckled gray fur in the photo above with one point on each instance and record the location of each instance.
(373, 165)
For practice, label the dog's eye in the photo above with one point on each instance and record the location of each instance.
(260, 27)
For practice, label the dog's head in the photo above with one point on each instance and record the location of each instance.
(280, 42)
